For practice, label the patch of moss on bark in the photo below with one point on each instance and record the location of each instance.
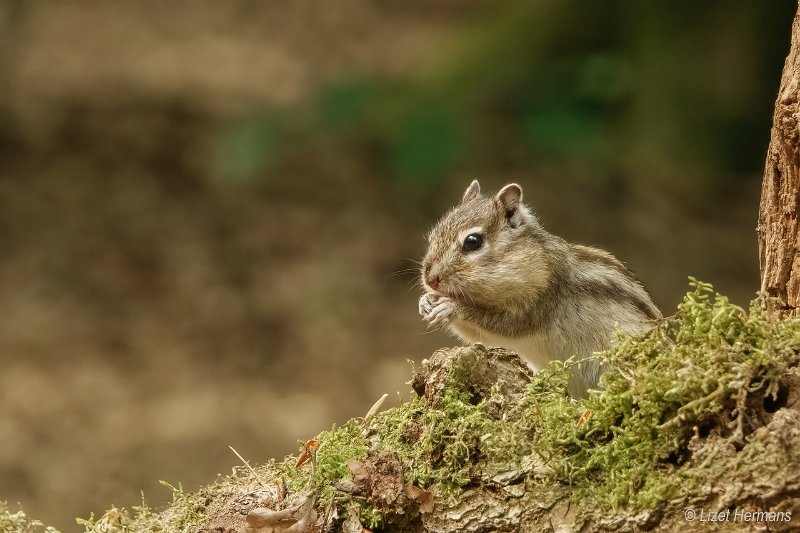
(705, 372)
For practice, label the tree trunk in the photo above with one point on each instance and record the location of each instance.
(778, 237)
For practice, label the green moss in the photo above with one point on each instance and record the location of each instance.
(336, 447)
(186, 513)
(19, 522)
(694, 370)
(445, 444)
(370, 517)
(113, 521)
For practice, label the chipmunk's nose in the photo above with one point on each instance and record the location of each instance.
(431, 281)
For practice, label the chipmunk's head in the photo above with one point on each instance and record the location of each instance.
(487, 249)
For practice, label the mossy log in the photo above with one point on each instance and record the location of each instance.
(697, 427)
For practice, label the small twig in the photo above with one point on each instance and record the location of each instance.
(281, 489)
(374, 409)
(264, 485)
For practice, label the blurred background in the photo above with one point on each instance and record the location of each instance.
(209, 210)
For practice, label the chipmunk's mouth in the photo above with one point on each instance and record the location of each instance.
(437, 292)
(437, 285)
(443, 292)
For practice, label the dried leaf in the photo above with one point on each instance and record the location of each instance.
(309, 449)
(295, 519)
(359, 471)
(423, 497)
(585, 416)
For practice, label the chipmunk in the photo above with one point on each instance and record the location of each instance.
(493, 275)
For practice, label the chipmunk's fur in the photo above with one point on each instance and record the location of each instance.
(525, 289)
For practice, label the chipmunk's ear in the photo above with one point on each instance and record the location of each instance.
(473, 191)
(509, 198)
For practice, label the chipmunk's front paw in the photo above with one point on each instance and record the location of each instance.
(437, 310)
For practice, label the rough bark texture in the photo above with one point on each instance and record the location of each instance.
(778, 225)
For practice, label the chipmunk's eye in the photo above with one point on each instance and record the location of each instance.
(472, 242)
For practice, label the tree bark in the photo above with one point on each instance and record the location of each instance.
(778, 226)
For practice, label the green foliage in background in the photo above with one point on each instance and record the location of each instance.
(246, 148)
(618, 88)
(426, 144)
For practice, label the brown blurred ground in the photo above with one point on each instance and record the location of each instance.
(154, 314)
